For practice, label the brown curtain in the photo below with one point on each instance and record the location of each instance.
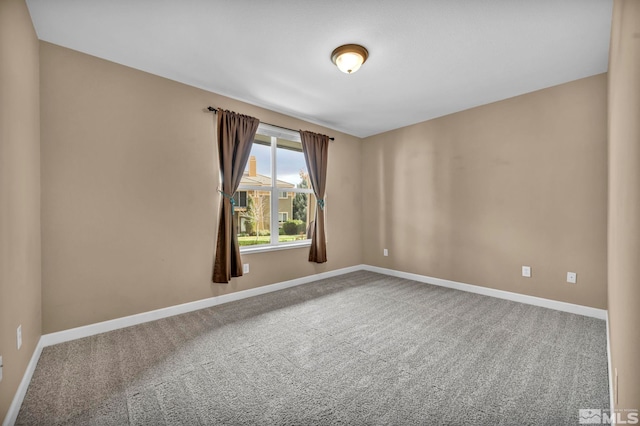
(235, 137)
(316, 154)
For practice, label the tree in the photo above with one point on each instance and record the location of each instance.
(249, 223)
(300, 200)
(257, 210)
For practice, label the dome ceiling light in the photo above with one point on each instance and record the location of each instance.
(349, 57)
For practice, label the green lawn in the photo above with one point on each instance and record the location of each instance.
(252, 241)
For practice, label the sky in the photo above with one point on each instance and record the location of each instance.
(289, 163)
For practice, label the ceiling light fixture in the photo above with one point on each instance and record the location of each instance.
(349, 58)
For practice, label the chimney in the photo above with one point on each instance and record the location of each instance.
(252, 165)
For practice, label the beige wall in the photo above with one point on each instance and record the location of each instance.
(624, 201)
(473, 196)
(129, 202)
(19, 194)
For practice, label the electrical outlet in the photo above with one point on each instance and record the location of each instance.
(245, 268)
(526, 271)
(385, 252)
(0, 368)
(572, 277)
(19, 336)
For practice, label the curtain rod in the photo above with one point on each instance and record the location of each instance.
(215, 111)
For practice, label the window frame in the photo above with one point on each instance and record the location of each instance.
(274, 133)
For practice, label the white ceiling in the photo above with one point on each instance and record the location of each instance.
(428, 58)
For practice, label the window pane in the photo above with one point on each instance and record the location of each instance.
(295, 228)
(254, 220)
(290, 164)
(258, 170)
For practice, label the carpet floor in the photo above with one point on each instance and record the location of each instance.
(358, 349)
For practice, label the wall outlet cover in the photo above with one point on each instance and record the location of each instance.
(572, 277)
(245, 268)
(526, 271)
(19, 336)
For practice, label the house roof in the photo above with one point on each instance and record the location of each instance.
(262, 180)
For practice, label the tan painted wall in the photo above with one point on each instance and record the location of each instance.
(624, 201)
(473, 196)
(19, 194)
(129, 202)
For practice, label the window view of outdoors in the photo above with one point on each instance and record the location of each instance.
(259, 194)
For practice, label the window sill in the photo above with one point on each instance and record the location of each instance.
(251, 250)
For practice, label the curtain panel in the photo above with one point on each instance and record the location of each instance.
(316, 154)
(235, 138)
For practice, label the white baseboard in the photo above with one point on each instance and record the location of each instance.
(14, 408)
(500, 294)
(102, 327)
(115, 324)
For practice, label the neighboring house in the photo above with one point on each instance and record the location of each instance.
(260, 200)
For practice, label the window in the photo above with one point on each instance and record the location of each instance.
(240, 198)
(275, 180)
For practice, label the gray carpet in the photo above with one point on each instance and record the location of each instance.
(358, 349)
